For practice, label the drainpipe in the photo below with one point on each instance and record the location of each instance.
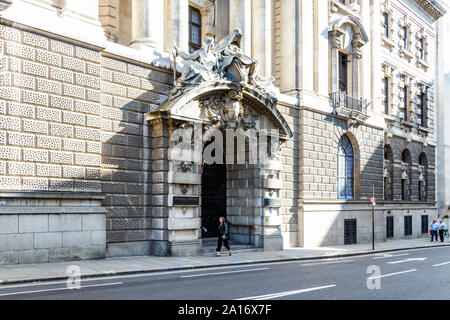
(297, 51)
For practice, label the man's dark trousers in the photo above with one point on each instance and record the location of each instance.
(441, 234)
(434, 233)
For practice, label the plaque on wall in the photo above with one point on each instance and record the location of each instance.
(181, 201)
(272, 203)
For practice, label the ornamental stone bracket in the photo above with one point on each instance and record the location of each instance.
(353, 116)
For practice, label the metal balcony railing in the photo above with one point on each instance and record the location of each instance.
(342, 100)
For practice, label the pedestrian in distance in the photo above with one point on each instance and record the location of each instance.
(442, 229)
(223, 236)
(434, 230)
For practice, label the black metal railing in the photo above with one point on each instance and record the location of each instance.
(342, 100)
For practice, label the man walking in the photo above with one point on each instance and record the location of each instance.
(442, 228)
(434, 230)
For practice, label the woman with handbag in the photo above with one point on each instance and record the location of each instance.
(223, 236)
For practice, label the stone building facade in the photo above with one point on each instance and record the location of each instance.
(88, 115)
(443, 107)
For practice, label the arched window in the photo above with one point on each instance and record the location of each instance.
(388, 173)
(423, 177)
(345, 168)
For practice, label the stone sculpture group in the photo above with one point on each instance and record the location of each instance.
(218, 63)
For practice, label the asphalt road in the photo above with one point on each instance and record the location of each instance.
(413, 274)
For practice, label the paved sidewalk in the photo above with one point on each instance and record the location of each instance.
(127, 265)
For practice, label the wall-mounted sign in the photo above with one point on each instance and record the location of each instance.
(272, 203)
(180, 201)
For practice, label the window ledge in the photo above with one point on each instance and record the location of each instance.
(406, 53)
(425, 129)
(407, 123)
(422, 63)
(388, 42)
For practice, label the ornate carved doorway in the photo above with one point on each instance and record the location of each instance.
(220, 91)
(214, 198)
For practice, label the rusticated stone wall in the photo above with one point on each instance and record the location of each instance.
(128, 91)
(50, 114)
(72, 120)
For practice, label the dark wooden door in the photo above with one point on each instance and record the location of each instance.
(408, 225)
(214, 198)
(389, 227)
(350, 236)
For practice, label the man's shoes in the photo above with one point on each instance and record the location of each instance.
(230, 252)
(218, 254)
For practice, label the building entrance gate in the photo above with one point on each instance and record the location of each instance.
(214, 200)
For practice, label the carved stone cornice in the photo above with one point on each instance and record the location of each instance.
(432, 7)
(4, 4)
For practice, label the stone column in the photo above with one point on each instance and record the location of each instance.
(321, 53)
(177, 25)
(262, 35)
(222, 19)
(296, 46)
(306, 45)
(375, 43)
(240, 17)
(208, 21)
(366, 62)
(83, 8)
(147, 24)
(287, 47)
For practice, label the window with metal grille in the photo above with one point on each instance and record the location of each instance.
(424, 226)
(423, 109)
(422, 49)
(343, 72)
(350, 235)
(386, 24)
(408, 225)
(423, 184)
(389, 227)
(405, 38)
(195, 29)
(405, 103)
(386, 95)
(345, 168)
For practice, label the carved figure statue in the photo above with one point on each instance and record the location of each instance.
(222, 62)
(199, 66)
(234, 65)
